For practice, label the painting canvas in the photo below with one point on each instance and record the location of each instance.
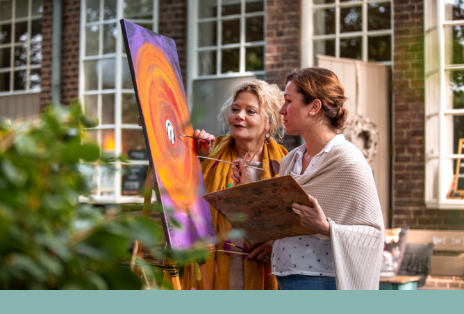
(164, 114)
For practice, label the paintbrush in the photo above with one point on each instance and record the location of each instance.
(197, 138)
(228, 162)
(239, 247)
(239, 253)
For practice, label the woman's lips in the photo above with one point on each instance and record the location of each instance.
(238, 126)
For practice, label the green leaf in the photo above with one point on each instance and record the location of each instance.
(74, 152)
(24, 263)
(13, 175)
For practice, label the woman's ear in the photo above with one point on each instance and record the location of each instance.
(315, 107)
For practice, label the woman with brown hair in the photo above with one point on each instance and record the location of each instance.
(253, 119)
(345, 252)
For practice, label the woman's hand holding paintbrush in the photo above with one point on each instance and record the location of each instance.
(204, 141)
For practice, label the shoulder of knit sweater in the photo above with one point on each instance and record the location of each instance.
(345, 153)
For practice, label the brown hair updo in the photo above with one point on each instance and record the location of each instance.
(322, 84)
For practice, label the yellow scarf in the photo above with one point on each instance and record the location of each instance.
(217, 176)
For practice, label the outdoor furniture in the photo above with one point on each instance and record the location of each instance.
(399, 283)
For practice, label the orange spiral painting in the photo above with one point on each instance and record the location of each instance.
(162, 102)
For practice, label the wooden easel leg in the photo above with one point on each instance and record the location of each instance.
(204, 275)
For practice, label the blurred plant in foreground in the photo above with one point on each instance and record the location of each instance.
(48, 240)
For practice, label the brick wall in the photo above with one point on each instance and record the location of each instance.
(69, 52)
(409, 141)
(173, 24)
(283, 36)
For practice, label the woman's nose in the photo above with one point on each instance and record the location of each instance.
(240, 115)
(282, 110)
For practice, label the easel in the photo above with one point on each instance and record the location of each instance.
(166, 265)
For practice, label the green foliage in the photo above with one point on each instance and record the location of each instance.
(48, 240)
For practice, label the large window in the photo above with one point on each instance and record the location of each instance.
(107, 93)
(20, 46)
(359, 30)
(444, 88)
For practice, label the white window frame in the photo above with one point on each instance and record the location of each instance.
(307, 37)
(193, 49)
(28, 67)
(443, 184)
(118, 126)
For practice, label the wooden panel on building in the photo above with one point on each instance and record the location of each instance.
(22, 106)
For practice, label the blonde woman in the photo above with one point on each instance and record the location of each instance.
(252, 112)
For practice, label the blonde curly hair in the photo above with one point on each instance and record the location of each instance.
(270, 100)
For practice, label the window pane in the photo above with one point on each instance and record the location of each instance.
(230, 7)
(379, 48)
(230, 60)
(133, 178)
(324, 21)
(21, 8)
(108, 73)
(207, 63)
(432, 179)
(20, 80)
(254, 29)
(254, 59)
(207, 34)
(454, 126)
(110, 32)
(140, 9)
(126, 75)
(324, 47)
(92, 39)
(323, 1)
(431, 45)
(5, 34)
(379, 16)
(230, 32)
(107, 181)
(36, 53)
(109, 9)
(431, 90)
(91, 74)
(91, 106)
(107, 140)
(130, 113)
(5, 57)
(5, 82)
(454, 170)
(454, 89)
(454, 44)
(254, 6)
(207, 8)
(20, 57)
(36, 30)
(93, 10)
(108, 109)
(351, 48)
(37, 7)
(35, 80)
(5, 10)
(21, 32)
(132, 140)
(351, 19)
(454, 10)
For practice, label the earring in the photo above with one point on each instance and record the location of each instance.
(268, 136)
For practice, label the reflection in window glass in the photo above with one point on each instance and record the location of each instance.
(324, 21)
(126, 75)
(35, 80)
(379, 16)
(110, 32)
(37, 7)
(5, 34)
(91, 75)
(454, 44)
(21, 32)
(230, 7)
(20, 56)
(132, 140)
(92, 40)
(351, 19)
(207, 34)
(254, 6)
(21, 7)
(230, 32)
(36, 53)
(107, 174)
(107, 137)
(20, 80)
(92, 10)
(36, 30)
(4, 81)
(323, 1)
(107, 109)
(91, 106)
(130, 112)
(5, 57)
(454, 10)
(141, 9)
(109, 9)
(351, 48)
(379, 48)
(254, 29)
(455, 89)
(458, 133)
(230, 60)
(207, 8)
(5, 10)
(324, 47)
(207, 62)
(254, 59)
(108, 73)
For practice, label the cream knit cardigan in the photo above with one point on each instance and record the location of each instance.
(345, 189)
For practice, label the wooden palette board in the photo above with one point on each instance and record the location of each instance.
(263, 209)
